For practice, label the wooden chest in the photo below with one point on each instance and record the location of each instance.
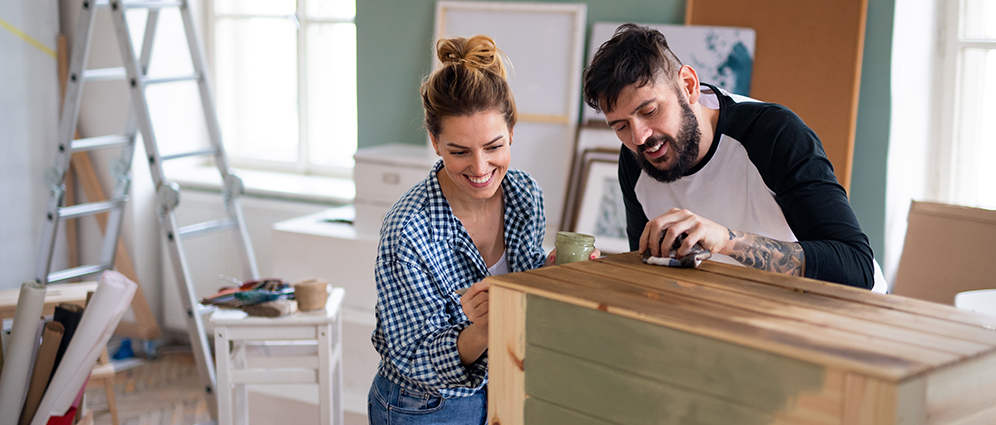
(615, 341)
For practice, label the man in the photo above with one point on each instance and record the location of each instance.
(746, 180)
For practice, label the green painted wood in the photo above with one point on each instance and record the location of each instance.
(624, 398)
(676, 359)
(539, 412)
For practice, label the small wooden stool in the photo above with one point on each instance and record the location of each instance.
(262, 341)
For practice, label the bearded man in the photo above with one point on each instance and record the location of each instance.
(746, 180)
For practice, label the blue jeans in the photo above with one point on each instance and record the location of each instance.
(389, 404)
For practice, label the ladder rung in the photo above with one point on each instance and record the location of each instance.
(208, 151)
(142, 4)
(104, 74)
(207, 227)
(160, 80)
(76, 272)
(99, 142)
(151, 4)
(90, 208)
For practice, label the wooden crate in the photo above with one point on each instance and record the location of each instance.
(614, 341)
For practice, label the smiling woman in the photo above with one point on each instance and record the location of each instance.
(471, 217)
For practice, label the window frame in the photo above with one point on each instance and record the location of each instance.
(949, 86)
(303, 165)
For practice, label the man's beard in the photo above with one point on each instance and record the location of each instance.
(684, 150)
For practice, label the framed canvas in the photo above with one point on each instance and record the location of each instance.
(545, 44)
(600, 210)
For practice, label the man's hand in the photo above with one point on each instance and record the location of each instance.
(706, 233)
(749, 249)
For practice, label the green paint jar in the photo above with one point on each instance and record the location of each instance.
(573, 247)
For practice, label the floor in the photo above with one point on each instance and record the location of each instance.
(166, 391)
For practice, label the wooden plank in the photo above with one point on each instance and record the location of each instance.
(542, 413)
(506, 356)
(807, 299)
(962, 391)
(887, 359)
(55, 294)
(775, 307)
(743, 375)
(827, 289)
(622, 398)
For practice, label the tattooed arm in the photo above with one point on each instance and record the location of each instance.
(768, 254)
(749, 249)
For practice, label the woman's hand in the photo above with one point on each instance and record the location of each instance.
(552, 258)
(473, 340)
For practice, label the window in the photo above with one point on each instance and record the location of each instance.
(285, 81)
(968, 100)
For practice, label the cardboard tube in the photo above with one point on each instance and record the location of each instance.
(43, 369)
(311, 294)
(17, 364)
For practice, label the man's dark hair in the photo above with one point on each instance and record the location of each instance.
(635, 54)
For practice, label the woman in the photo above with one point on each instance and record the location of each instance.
(470, 218)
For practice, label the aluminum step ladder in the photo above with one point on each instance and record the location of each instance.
(134, 73)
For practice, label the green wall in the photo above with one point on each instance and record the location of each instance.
(394, 44)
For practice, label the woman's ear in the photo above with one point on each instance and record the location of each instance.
(435, 143)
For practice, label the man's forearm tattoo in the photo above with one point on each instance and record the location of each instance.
(768, 254)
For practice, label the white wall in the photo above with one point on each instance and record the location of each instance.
(28, 121)
(914, 69)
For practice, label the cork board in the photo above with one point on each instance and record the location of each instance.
(807, 57)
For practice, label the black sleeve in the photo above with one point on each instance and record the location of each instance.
(791, 160)
(636, 219)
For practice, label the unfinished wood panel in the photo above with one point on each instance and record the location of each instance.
(962, 391)
(807, 57)
(506, 354)
(712, 368)
(541, 412)
(946, 234)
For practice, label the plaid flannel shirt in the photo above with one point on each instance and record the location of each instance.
(424, 255)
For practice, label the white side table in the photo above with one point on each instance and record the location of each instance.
(297, 349)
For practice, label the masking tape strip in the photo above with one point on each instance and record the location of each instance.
(38, 45)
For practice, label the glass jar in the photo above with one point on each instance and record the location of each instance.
(572, 247)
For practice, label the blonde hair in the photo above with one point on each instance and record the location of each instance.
(471, 79)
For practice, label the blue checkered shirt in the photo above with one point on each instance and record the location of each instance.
(424, 255)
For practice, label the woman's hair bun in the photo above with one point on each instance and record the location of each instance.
(477, 52)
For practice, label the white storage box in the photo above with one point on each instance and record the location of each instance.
(382, 174)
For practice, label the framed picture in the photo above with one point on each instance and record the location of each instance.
(600, 209)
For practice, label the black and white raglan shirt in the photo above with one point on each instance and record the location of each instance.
(766, 173)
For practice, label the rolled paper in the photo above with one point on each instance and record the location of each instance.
(101, 317)
(22, 344)
(43, 369)
(311, 294)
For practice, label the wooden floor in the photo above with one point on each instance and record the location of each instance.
(167, 391)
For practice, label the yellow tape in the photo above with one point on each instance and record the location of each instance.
(38, 45)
